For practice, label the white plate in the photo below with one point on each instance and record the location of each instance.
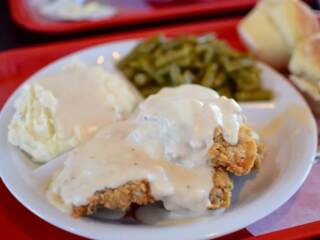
(288, 130)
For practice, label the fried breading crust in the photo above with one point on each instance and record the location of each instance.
(220, 195)
(139, 192)
(119, 198)
(239, 158)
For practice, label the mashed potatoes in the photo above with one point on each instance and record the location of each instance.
(59, 111)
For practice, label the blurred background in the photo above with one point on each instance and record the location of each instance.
(12, 35)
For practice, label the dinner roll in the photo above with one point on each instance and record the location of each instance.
(274, 27)
(294, 19)
(263, 38)
(305, 66)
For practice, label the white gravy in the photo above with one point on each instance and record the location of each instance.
(81, 93)
(164, 142)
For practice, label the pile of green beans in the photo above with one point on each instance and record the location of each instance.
(159, 62)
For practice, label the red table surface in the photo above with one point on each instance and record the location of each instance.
(16, 65)
(172, 10)
(27, 18)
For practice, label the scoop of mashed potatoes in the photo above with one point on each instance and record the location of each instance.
(57, 112)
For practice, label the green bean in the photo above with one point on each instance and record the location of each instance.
(208, 56)
(247, 81)
(184, 62)
(225, 91)
(149, 90)
(197, 63)
(175, 75)
(219, 80)
(209, 75)
(128, 72)
(178, 42)
(234, 65)
(258, 95)
(140, 79)
(158, 62)
(158, 78)
(203, 47)
(149, 45)
(162, 71)
(171, 56)
(188, 76)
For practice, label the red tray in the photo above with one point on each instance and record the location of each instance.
(131, 12)
(16, 65)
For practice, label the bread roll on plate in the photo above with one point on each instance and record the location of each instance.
(305, 69)
(274, 27)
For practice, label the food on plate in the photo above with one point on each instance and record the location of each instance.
(238, 159)
(159, 62)
(73, 10)
(178, 147)
(305, 66)
(58, 111)
(273, 29)
(139, 192)
(305, 69)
